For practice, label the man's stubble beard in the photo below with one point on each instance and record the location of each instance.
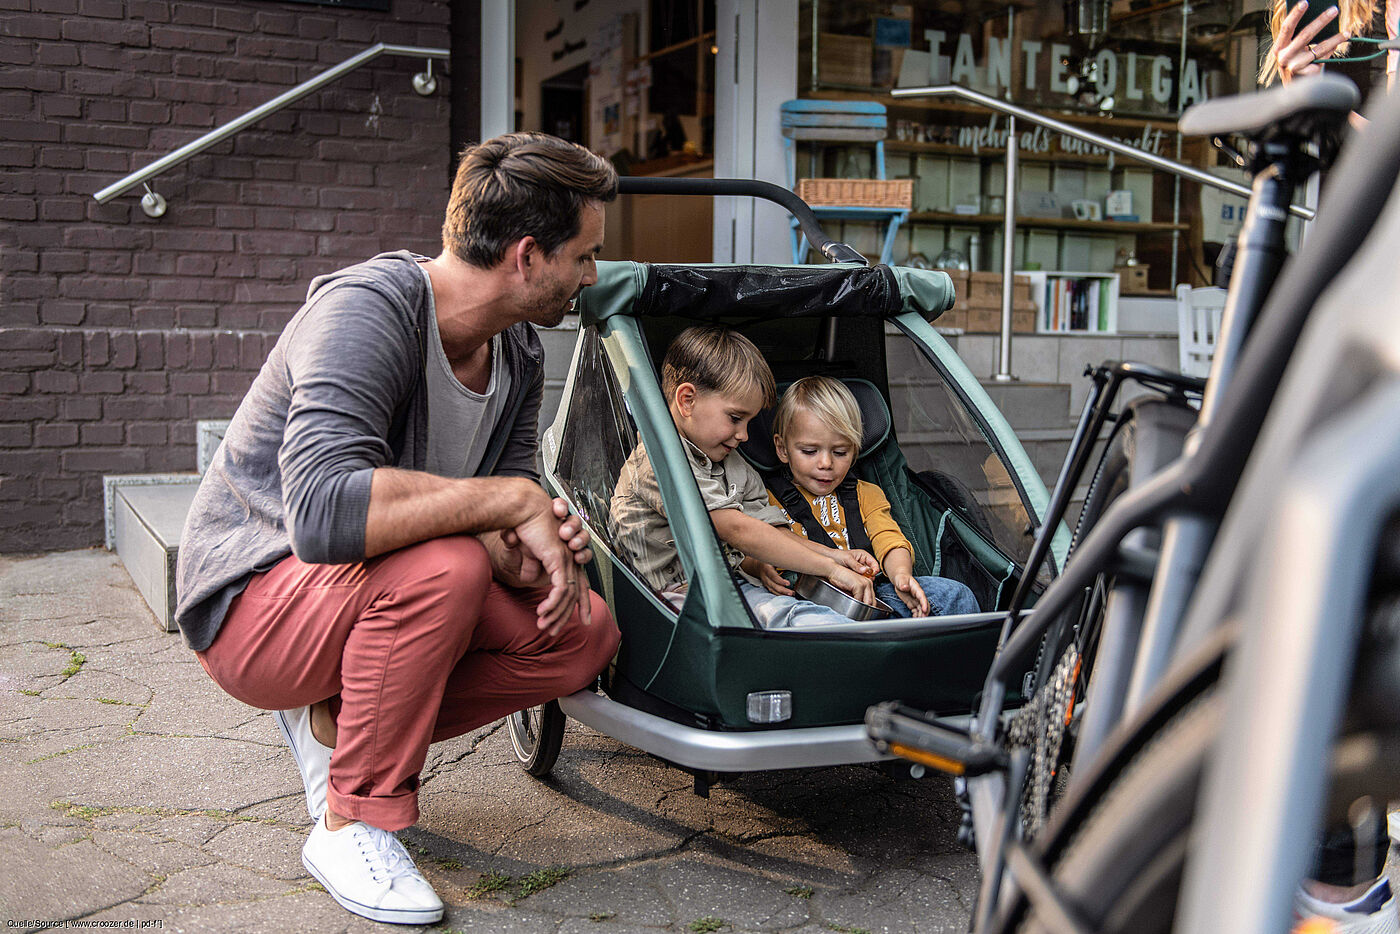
(549, 311)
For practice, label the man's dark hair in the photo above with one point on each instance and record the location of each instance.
(521, 185)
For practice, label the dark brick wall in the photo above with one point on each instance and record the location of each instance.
(118, 332)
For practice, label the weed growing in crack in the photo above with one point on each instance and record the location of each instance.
(61, 752)
(707, 925)
(29, 693)
(800, 891)
(76, 661)
(541, 879)
(451, 865)
(489, 884)
(602, 915)
(845, 930)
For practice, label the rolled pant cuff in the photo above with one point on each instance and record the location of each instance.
(387, 813)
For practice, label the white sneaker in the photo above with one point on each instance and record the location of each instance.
(1372, 913)
(313, 759)
(369, 873)
(1392, 824)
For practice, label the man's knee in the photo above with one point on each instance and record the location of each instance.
(454, 570)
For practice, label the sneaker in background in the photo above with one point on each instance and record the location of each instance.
(1372, 913)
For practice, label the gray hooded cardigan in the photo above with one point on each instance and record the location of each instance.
(342, 392)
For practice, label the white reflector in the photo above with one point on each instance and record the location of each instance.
(770, 706)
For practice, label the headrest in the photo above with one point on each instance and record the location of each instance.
(874, 419)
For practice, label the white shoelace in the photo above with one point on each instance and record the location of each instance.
(386, 856)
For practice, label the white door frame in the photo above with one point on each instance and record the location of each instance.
(755, 71)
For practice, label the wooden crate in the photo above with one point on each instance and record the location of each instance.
(857, 192)
(983, 319)
(844, 59)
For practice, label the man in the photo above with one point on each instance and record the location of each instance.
(369, 553)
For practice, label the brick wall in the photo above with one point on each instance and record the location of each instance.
(118, 332)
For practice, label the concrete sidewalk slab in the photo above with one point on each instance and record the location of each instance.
(131, 787)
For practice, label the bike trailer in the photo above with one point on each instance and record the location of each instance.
(696, 680)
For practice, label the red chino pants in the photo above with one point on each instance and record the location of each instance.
(417, 645)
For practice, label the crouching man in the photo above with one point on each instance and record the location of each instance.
(370, 553)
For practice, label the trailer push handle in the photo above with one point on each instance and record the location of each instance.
(833, 250)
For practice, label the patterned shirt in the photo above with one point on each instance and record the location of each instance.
(637, 517)
(884, 533)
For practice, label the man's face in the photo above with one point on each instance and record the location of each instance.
(566, 273)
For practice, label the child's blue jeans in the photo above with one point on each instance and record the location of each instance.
(774, 611)
(946, 597)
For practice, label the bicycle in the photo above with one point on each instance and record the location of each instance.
(1196, 490)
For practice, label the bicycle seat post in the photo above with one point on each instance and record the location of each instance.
(1280, 165)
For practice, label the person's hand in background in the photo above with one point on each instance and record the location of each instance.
(1295, 53)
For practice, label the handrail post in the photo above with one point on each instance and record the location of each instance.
(1008, 253)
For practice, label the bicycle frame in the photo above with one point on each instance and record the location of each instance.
(1186, 499)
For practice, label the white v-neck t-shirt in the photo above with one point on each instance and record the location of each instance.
(460, 421)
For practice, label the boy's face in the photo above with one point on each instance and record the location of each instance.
(818, 457)
(715, 422)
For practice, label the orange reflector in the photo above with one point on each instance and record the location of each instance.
(1074, 679)
(1315, 926)
(951, 766)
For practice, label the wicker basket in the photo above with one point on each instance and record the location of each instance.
(857, 192)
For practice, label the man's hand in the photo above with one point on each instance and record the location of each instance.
(911, 594)
(768, 576)
(857, 585)
(515, 567)
(543, 551)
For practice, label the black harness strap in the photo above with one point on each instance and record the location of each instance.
(797, 506)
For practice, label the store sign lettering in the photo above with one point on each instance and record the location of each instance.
(993, 136)
(1135, 77)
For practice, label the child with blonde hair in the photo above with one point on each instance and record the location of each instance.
(817, 433)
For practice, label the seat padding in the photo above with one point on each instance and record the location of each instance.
(874, 417)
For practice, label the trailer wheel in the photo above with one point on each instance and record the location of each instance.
(536, 734)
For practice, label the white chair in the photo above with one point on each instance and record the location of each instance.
(1198, 314)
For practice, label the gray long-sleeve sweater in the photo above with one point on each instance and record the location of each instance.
(342, 392)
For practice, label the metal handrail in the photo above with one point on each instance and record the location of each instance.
(1103, 142)
(282, 100)
(1014, 113)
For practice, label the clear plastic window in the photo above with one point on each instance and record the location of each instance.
(948, 454)
(600, 447)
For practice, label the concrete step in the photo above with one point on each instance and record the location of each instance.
(146, 515)
(1031, 406)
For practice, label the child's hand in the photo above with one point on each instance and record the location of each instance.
(857, 585)
(768, 576)
(911, 593)
(862, 562)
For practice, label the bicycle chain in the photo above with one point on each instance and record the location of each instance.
(1040, 726)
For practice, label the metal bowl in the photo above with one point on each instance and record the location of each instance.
(819, 591)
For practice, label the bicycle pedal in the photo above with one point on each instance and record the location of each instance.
(914, 735)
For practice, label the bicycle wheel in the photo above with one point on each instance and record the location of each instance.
(536, 734)
(1147, 437)
(1122, 869)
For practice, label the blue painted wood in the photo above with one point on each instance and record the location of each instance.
(839, 121)
(850, 107)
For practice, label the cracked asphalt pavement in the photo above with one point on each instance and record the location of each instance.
(131, 788)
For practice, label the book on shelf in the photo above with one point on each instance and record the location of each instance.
(1077, 304)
